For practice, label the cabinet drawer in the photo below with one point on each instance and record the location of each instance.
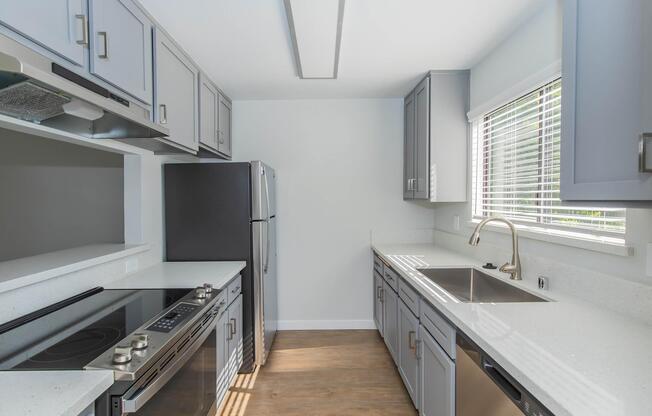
(234, 289)
(409, 296)
(378, 265)
(391, 277)
(442, 331)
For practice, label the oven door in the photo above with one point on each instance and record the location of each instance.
(184, 386)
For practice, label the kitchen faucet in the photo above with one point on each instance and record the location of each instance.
(513, 268)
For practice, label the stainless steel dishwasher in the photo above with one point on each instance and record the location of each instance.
(482, 388)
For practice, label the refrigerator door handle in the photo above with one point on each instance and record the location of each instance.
(266, 267)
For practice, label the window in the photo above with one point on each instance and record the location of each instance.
(516, 168)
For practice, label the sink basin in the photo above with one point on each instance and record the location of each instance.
(470, 285)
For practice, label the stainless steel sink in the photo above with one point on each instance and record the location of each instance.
(470, 285)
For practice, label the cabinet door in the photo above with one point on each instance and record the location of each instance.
(437, 386)
(221, 349)
(378, 302)
(235, 353)
(208, 101)
(422, 140)
(408, 361)
(606, 99)
(177, 88)
(409, 147)
(58, 25)
(121, 46)
(224, 120)
(390, 320)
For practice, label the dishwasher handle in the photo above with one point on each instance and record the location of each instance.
(505, 385)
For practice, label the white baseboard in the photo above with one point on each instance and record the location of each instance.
(317, 324)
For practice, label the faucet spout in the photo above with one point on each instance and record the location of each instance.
(513, 268)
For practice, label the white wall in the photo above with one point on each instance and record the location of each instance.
(618, 282)
(339, 171)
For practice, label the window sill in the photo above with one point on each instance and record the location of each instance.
(26, 271)
(622, 250)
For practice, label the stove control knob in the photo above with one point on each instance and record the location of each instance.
(140, 341)
(122, 355)
(208, 287)
(200, 293)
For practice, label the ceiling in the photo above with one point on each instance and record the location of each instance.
(387, 45)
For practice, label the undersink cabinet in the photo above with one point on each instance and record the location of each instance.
(390, 320)
(606, 100)
(408, 351)
(437, 378)
(435, 138)
(177, 89)
(121, 45)
(60, 26)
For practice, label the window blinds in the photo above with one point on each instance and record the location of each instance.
(516, 164)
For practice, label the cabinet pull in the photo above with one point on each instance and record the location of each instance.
(163, 114)
(409, 185)
(230, 337)
(417, 349)
(105, 38)
(84, 22)
(411, 341)
(644, 142)
(233, 327)
(221, 137)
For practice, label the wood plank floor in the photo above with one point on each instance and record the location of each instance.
(322, 373)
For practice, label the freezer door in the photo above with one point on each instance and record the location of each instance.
(263, 191)
(265, 293)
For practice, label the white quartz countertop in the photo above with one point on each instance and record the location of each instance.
(51, 393)
(187, 274)
(575, 357)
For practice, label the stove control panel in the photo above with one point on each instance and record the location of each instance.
(173, 318)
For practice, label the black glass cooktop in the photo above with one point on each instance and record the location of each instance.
(72, 336)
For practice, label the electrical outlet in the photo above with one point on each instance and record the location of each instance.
(456, 222)
(543, 283)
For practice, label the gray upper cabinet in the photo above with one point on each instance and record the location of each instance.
(437, 384)
(121, 46)
(208, 102)
(408, 350)
(409, 148)
(61, 26)
(177, 88)
(436, 134)
(224, 120)
(606, 99)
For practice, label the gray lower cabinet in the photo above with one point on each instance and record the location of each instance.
(435, 145)
(224, 120)
(61, 26)
(235, 338)
(606, 100)
(121, 46)
(390, 320)
(408, 351)
(221, 350)
(208, 107)
(177, 88)
(378, 302)
(229, 354)
(437, 382)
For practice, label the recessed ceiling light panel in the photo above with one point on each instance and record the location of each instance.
(316, 31)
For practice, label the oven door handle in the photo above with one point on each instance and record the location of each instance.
(138, 396)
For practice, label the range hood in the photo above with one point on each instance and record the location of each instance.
(38, 90)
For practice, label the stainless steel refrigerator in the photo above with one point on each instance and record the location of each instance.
(224, 212)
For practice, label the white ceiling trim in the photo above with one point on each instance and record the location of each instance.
(316, 34)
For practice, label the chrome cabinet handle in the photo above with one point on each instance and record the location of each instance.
(221, 136)
(105, 37)
(378, 293)
(84, 22)
(409, 185)
(163, 114)
(417, 349)
(411, 341)
(233, 327)
(382, 294)
(644, 142)
(230, 337)
(415, 184)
